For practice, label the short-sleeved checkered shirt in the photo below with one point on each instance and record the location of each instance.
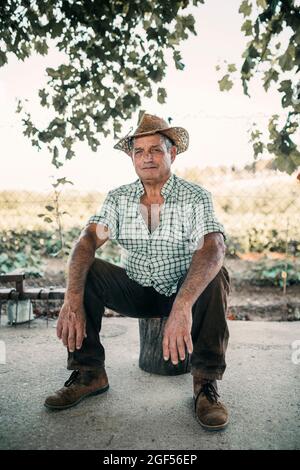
(159, 258)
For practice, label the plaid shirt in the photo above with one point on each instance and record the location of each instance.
(159, 258)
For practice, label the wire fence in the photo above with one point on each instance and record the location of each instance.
(260, 213)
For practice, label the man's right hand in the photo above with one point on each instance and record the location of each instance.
(71, 325)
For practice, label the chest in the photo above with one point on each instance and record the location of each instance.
(150, 211)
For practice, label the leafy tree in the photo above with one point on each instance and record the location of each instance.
(267, 24)
(115, 53)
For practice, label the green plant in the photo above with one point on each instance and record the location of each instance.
(54, 213)
(28, 263)
(274, 274)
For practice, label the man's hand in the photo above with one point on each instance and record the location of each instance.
(177, 334)
(71, 325)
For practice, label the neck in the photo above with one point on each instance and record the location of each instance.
(153, 188)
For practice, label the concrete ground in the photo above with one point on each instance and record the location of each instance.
(261, 387)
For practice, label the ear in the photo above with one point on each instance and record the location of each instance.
(173, 153)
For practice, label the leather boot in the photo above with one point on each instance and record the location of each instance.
(209, 411)
(80, 385)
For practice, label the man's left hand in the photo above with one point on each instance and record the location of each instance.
(177, 334)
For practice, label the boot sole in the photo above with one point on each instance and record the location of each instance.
(90, 394)
(219, 427)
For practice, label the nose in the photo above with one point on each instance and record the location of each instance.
(148, 156)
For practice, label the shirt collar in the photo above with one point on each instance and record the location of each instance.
(165, 190)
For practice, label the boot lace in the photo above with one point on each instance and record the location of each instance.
(210, 391)
(73, 378)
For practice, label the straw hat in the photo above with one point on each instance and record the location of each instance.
(148, 125)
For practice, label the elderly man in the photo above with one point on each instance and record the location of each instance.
(174, 268)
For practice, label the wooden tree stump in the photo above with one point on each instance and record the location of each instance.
(151, 353)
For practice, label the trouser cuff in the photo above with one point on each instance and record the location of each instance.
(205, 374)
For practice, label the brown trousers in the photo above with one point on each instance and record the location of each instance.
(108, 285)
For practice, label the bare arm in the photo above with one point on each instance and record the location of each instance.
(80, 260)
(71, 321)
(204, 266)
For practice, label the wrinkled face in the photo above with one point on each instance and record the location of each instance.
(151, 158)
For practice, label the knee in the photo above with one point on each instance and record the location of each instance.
(94, 282)
(221, 280)
(97, 267)
(91, 275)
(97, 275)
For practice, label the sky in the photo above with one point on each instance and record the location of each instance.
(216, 121)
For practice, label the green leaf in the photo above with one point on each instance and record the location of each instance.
(245, 8)
(286, 60)
(52, 73)
(50, 208)
(57, 28)
(66, 71)
(231, 68)
(69, 154)
(133, 56)
(62, 181)
(41, 47)
(177, 59)
(225, 83)
(55, 156)
(258, 148)
(262, 3)
(286, 88)
(43, 95)
(3, 58)
(161, 95)
(297, 36)
(247, 27)
(269, 76)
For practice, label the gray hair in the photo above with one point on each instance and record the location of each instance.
(168, 142)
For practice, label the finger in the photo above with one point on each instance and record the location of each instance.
(189, 343)
(181, 347)
(165, 344)
(173, 351)
(59, 329)
(80, 334)
(71, 338)
(65, 334)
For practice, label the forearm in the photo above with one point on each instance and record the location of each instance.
(79, 262)
(205, 265)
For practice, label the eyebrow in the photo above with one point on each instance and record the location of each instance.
(142, 148)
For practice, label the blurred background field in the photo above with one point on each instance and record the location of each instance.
(258, 206)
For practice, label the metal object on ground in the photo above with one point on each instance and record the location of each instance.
(19, 311)
(20, 299)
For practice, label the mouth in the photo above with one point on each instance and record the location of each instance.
(149, 168)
